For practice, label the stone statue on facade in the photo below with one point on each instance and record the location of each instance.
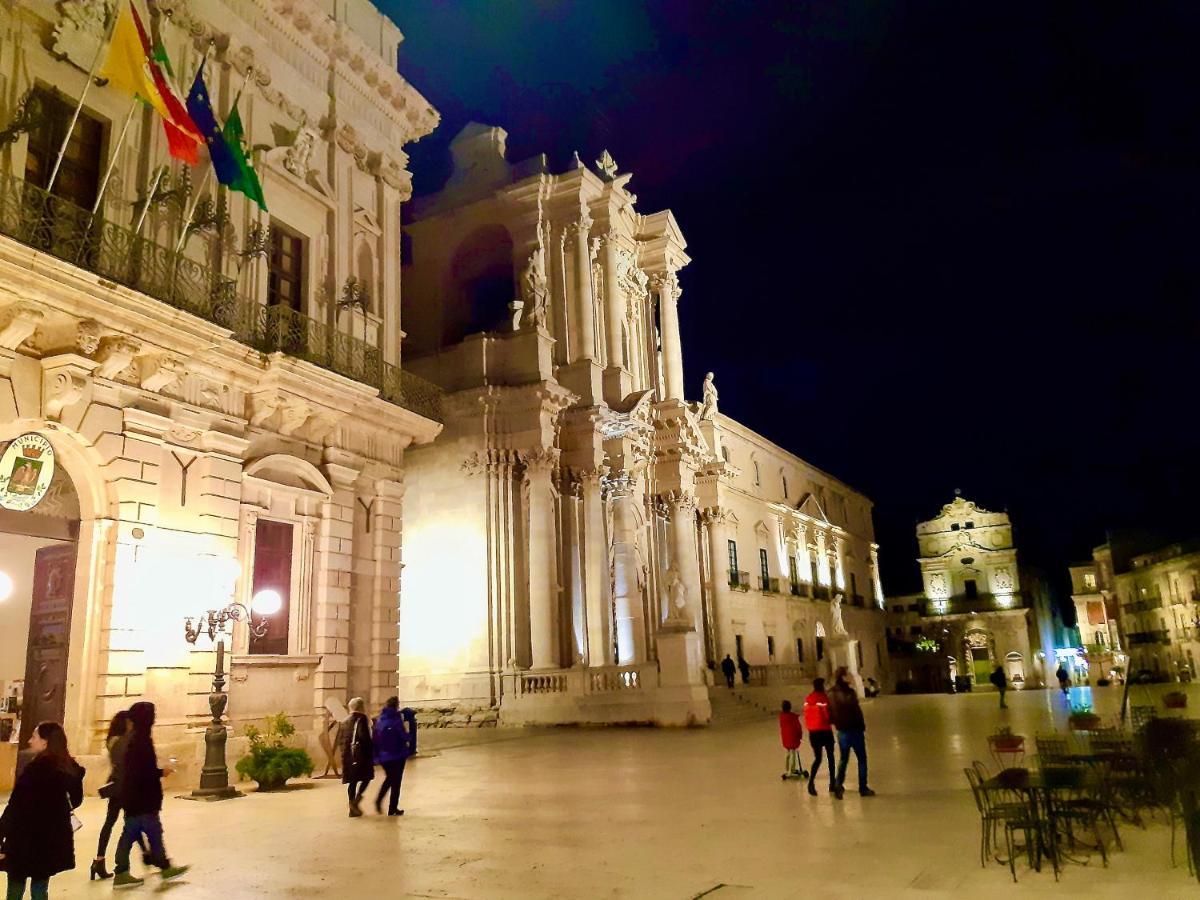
(298, 154)
(80, 32)
(534, 289)
(708, 409)
(835, 610)
(676, 596)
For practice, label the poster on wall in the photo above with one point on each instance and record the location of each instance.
(26, 468)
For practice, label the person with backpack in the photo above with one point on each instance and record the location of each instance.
(37, 829)
(1000, 682)
(820, 734)
(358, 755)
(393, 747)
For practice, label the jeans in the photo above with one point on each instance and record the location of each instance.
(39, 889)
(110, 819)
(822, 740)
(147, 824)
(355, 789)
(856, 741)
(393, 775)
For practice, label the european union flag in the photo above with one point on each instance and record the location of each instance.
(199, 107)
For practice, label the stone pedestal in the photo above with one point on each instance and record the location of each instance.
(843, 651)
(682, 696)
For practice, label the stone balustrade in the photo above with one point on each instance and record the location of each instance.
(785, 673)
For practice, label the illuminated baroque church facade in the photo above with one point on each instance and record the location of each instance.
(582, 543)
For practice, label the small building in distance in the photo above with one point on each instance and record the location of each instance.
(978, 608)
(1096, 617)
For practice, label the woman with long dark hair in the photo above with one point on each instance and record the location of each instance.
(118, 739)
(37, 838)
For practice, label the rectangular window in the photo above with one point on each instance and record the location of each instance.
(273, 572)
(78, 177)
(762, 565)
(285, 274)
(820, 648)
(770, 647)
(853, 585)
(794, 574)
(785, 490)
(954, 526)
(733, 563)
(757, 475)
(738, 648)
(859, 647)
(971, 589)
(799, 649)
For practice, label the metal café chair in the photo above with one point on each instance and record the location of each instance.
(1013, 816)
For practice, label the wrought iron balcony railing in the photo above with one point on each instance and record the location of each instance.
(801, 589)
(1156, 636)
(739, 581)
(61, 229)
(768, 585)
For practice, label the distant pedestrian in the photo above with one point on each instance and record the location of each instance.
(1001, 683)
(728, 668)
(37, 837)
(392, 750)
(744, 668)
(119, 731)
(358, 755)
(790, 733)
(141, 796)
(847, 716)
(820, 734)
(1064, 680)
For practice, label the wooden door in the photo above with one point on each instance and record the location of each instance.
(49, 637)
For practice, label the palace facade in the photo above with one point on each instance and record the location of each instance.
(579, 540)
(220, 386)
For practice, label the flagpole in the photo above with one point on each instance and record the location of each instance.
(192, 210)
(137, 229)
(82, 96)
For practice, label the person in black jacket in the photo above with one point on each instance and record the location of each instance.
(118, 738)
(358, 754)
(141, 797)
(847, 717)
(36, 836)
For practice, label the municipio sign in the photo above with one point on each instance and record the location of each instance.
(25, 472)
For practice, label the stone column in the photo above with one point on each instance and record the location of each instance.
(543, 558)
(386, 512)
(595, 572)
(630, 616)
(876, 582)
(683, 557)
(668, 317)
(615, 312)
(718, 554)
(838, 566)
(584, 312)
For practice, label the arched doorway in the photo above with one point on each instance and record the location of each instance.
(39, 561)
(1014, 664)
(977, 647)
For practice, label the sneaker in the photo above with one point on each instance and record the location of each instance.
(173, 872)
(125, 880)
(866, 792)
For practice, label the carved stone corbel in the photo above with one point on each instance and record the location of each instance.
(23, 320)
(87, 336)
(322, 423)
(263, 405)
(293, 416)
(158, 372)
(115, 355)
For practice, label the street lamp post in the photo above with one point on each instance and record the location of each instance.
(214, 777)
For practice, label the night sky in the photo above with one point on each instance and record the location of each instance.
(935, 245)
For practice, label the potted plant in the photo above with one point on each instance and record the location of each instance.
(1083, 719)
(1004, 741)
(1175, 700)
(271, 762)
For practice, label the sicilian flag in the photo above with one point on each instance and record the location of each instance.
(131, 68)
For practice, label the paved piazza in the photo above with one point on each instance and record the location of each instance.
(644, 813)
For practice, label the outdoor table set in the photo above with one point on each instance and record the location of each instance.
(1069, 805)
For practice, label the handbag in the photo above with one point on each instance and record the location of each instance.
(76, 824)
(108, 790)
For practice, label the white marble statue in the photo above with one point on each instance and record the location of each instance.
(677, 595)
(534, 289)
(835, 609)
(709, 409)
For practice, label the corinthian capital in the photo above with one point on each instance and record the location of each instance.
(540, 459)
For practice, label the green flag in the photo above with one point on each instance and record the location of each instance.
(246, 181)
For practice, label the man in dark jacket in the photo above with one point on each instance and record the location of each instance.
(744, 667)
(847, 718)
(1000, 681)
(728, 668)
(141, 798)
(393, 747)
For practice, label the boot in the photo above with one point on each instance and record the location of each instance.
(812, 789)
(98, 870)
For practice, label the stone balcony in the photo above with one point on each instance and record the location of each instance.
(58, 228)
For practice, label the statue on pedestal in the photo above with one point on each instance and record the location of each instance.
(708, 409)
(835, 609)
(534, 288)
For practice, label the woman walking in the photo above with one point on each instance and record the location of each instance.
(37, 838)
(392, 749)
(119, 731)
(358, 755)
